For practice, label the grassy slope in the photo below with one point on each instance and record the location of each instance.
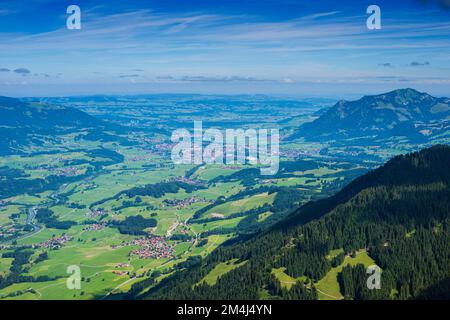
(286, 280)
(328, 286)
(219, 270)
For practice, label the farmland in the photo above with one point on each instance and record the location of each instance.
(114, 204)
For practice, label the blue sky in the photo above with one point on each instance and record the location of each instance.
(295, 47)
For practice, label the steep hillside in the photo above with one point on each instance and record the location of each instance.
(403, 112)
(397, 216)
(36, 116)
(20, 121)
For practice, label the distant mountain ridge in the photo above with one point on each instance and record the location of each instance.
(19, 120)
(42, 117)
(401, 112)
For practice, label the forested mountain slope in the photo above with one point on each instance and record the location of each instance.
(398, 215)
(403, 112)
(21, 123)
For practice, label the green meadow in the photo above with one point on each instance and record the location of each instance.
(328, 286)
(219, 270)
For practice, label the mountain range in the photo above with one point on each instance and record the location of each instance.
(403, 112)
(21, 122)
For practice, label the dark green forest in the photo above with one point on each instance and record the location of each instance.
(399, 214)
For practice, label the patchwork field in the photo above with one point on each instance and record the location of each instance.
(112, 202)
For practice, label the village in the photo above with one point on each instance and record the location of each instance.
(183, 203)
(94, 227)
(55, 242)
(184, 180)
(153, 247)
(93, 213)
(65, 172)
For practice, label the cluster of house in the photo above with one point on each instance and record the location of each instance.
(65, 172)
(184, 230)
(295, 153)
(151, 247)
(55, 242)
(185, 180)
(96, 213)
(7, 232)
(94, 227)
(122, 265)
(183, 203)
(121, 272)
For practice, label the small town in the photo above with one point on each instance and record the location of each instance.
(56, 242)
(96, 213)
(185, 180)
(153, 247)
(94, 227)
(183, 203)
